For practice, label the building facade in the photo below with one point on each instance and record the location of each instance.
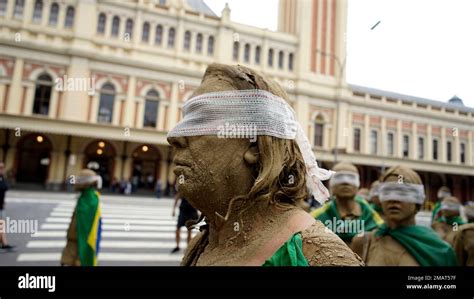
(98, 83)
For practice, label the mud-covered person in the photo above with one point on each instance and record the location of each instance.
(447, 224)
(464, 239)
(399, 241)
(347, 214)
(3, 191)
(250, 189)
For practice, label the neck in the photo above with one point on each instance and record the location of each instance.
(400, 223)
(345, 202)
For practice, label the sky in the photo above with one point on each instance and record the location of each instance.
(422, 48)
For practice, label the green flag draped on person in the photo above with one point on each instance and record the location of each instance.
(84, 232)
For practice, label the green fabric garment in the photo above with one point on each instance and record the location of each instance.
(290, 254)
(451, 220)
(376, 208)
(422, 243)
(434, 214)
(88, 226)
(347, 229)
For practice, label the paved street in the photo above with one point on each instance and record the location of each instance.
(136, 230)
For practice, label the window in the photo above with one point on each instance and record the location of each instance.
(257, 55)
(151, 109)
(146, 32)
(38, 11)
(129, 28)
(356, 140)
(281, 56)
(421, 148)
(199, 43)
(290, 61)
(106, 103)
(158, 35)
(115, 26)
(3, 7)
(435, 149)
(390, 144)
(187, 41)
(43, 89)
(270, 57)
(449, 151)
(69, 22)
(462, 153)
(101, 24)
(171, 36)
(235, 52)
(318, 131)
(373, 142)
(210, 45)
(53, 14)
(18, 9)
(247, 53)
(406, 146)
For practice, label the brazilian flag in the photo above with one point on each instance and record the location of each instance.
(89, 226)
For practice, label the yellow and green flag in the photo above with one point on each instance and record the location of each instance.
(89, 226)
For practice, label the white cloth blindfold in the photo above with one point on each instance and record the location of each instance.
(411, 193)
(345, 177)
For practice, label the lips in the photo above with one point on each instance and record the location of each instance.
(179, 162)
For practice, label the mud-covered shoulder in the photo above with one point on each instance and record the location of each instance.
(192, 249)
(322, 247)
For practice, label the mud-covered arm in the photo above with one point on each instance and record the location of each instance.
(322, 247)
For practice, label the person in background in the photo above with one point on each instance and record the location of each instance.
(364, 193)
(447, 224)
(84, 233)
(3, 190)
(442, 193)
(464, 239)
(186, 213)
(158, 190)
(374, 198)
(348, 210)
(399, 241)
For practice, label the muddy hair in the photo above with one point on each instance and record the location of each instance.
(280, 175)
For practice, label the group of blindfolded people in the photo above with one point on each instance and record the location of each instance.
(379, 224)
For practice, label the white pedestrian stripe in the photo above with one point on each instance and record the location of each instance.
(134, 234)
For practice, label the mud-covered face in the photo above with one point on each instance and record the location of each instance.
(398, 211)
(208, 167)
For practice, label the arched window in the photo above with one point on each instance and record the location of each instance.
(101, 23)
(235, 52)
(69, 22)
(171, 36)
(257, 54)
(129, 28)
(319, 131)
(3, 7)
(146, 32)
(152, 99)
(106, 103)
(281, 56)
(115, 26)
(44, 86)
(38, 11)
(290, 61)
(199, 43)
(210, 45)
(247, 53)
(53, 14)
(270, 57)
(187, 41)
(158, 35)
(18, 9)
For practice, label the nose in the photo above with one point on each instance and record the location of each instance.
(177, 142)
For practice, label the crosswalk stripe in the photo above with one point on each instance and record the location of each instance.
(124, 221)
(139, 211)
(134, 227)
(109, 215)
(115, 234)
(106, 244)
(104, 257)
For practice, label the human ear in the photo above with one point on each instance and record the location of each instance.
(251, 155)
